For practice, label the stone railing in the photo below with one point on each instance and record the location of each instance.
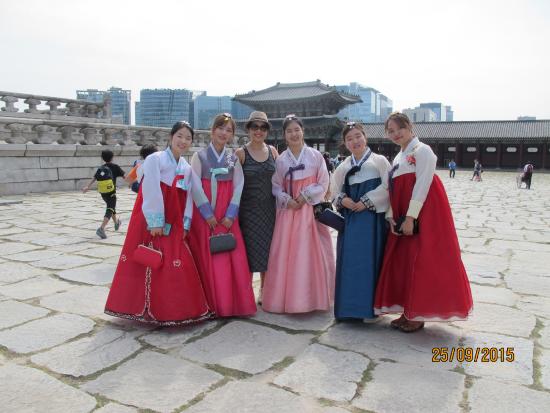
(58, 107)
(42, 151)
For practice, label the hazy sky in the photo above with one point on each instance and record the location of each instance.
(487, 59)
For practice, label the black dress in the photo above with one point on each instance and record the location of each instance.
(257, 210)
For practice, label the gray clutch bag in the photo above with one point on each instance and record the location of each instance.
(222, 243)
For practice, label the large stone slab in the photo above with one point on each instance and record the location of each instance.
(44, 333)
(83, 300)
(323, 372)
(89, 354)
(531, 263)
(29, 236)
(27, 390)
(519, 371)
(36, 255)
(116, 408)
(499, 319)
(380, 342)
(96, 274)
(64, 262)
(9, 248)
(397, 387)
(490, 396)
(246, 396)
(527, 284)
(172, 337)
(494, 295)
(242, 346)
(13, 313)
(538, 306)
(101, 252)
(168, 383)
(60, 240)
(11, 272)
(315, 321)
(34, 287)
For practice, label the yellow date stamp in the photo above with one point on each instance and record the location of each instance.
(473, 354)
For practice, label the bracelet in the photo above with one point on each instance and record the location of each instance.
(368, 203)
(339, 200)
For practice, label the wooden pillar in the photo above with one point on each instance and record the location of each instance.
(521, 154)
(458, 154)
(499, 155)
(441, 154)
(544, 155)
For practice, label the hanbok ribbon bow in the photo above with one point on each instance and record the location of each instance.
(214, 182)
(390, 176)
(290, 172)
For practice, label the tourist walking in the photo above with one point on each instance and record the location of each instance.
(360, 191)
(300, 274)
(257, 208)
(156, 279)
(106, 176)
(452, 168)
(478, 169)
(528, 174)
(226, 275)
(422, 275)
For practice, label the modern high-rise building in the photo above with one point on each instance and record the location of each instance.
(374, 106)
(430, 112)
(163, 107)
(386, 107)
(205, 109)
(419, 114)
(120, 101)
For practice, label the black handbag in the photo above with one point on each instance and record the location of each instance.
(399, 221)
(324, 213)
(222, 243)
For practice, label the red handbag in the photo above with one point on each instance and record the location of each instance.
(148, 256)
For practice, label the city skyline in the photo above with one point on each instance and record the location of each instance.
(485, 59)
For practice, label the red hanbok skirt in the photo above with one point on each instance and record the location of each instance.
(226, 277)
(423, 275)
(170, 295)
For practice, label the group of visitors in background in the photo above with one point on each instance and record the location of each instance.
(397, 251)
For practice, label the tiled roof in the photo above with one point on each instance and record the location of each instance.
(507, 129)
(293, 91)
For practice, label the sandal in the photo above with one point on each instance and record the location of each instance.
(411, 326)
(398, 322)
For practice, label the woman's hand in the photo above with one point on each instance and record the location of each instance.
(156, 231)
(359, 207)
(292, 204)
(348, 203)
(227, 222)
(391, 221)
(301, 201)
(212, 223)
(408, 226)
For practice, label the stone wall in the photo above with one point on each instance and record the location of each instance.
(43, 168)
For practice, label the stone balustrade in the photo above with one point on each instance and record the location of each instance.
(54, 150)
(58, 107)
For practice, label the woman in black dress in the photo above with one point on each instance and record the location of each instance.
(257, 208)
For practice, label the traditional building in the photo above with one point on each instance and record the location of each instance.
(315, 103)
(496, 144)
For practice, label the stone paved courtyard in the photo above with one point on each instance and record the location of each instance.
(60, 353)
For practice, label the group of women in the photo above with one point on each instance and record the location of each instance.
(397, 252)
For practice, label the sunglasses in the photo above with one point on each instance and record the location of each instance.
(255, 127)
(292, 116)
(350, 125)
(184, 122)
